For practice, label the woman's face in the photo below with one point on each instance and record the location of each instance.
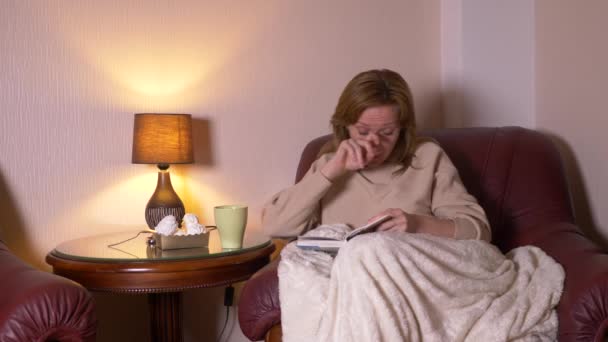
(380, 126)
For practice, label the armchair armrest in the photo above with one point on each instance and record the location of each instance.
(39, 306)
(259, 306)
(583, 307)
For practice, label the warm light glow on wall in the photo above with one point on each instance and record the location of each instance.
(122, 203)
(121, 206)
(152, 74)
(160, 72)
(160, 53)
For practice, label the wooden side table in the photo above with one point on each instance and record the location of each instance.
(133, 267)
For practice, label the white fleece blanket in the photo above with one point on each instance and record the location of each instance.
(414, 287)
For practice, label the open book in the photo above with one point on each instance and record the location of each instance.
(327, 244)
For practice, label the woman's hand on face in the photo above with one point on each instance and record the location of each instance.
(400, 221)
(351, 155)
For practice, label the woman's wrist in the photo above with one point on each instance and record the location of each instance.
(332, 171)
(432, 225)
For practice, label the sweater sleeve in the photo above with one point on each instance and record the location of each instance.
(451, 200)
(296, 209)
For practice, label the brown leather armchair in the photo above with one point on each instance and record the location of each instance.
(39, 306)
(518, 178)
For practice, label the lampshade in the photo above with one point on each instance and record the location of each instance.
(162, 139)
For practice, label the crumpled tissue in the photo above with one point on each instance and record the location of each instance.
(192, 225)
(167, 226)
(193, 235)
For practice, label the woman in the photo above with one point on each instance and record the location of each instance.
(392, 286)
(376, 166)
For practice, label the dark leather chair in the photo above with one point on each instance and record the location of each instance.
(517, 176)
(40, 306)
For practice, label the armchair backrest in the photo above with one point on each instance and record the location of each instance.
(515, 173)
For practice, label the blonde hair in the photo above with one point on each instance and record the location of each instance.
(374, 88)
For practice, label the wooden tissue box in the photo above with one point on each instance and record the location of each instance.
(182, 241)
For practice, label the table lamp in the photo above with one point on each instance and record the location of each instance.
(163, 139)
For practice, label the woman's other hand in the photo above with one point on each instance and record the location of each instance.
(351, 155)
(400, 221)
(414, 223)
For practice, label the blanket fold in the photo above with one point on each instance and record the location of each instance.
(389, 286)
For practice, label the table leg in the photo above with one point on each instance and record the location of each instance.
(165, 316)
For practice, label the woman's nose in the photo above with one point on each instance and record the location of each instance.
(373, 138)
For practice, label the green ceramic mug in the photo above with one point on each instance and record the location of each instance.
(231, 221)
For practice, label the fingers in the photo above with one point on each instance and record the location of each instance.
(356, 153)
(379, 215)
(398, 221)
(352, 154)
(386, 226)
(369, 148)
(363, 152)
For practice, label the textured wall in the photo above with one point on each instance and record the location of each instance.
(488, 62)
(572, 69)
(260, 77)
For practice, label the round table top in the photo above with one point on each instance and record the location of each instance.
(99, 263)
(131, 246)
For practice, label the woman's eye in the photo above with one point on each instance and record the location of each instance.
(364, 133)
(388, 132)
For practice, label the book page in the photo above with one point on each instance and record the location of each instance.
(368, 227)
(332, 245)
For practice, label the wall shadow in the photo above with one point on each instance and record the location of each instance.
(202, 308)
(12, 225)
(578, 191)
(203, 145)
(207, 315)
(453, 107)
(122, 317)
(203, 156)
(435, 114)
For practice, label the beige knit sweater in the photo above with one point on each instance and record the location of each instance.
(430, 186)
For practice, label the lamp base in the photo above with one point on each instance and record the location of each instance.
(155, 215)
(164, 202)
